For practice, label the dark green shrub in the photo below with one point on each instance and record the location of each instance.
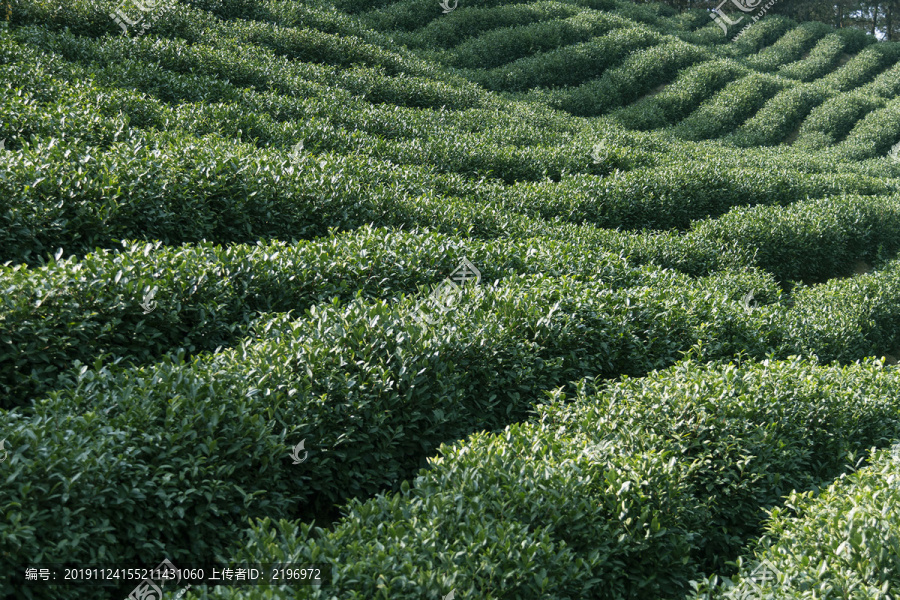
(638, 487)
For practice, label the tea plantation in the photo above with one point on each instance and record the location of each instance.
(221, 224)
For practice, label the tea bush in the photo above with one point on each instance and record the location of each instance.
(842, 541)
(632, 490)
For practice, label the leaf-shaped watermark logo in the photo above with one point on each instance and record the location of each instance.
(296, 454)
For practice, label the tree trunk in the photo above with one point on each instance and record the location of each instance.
(889, 21)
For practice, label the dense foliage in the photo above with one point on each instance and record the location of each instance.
(216, 236)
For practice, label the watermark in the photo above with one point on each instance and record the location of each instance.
(296, 454)
(764, 573)
(5, 453)
(746, 300)
(148, 304)
(145, 9)
(182, 592)
(596, 153)
(3, 144)
(450, 595)
(295, 152)
(148, 590)
(447, 293)
(723, 20)
(894, 154)
(445, 4)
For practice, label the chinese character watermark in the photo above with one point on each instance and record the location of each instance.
(445, 4)
(448, 292)
(764, 573)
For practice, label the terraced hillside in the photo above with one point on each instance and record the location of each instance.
(221, 222)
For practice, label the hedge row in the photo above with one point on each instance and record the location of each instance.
(729, 108)
(674, 196)
(763, 34)
(863, 67)
(569, 65)
(636, 76)
(206, 296)
(455, 27)
(831, 121)
(630, 491)
(204, 445)
(841, 543)
(789, 47)
(781, 116)
(822, 59)
(175, 189)
(874, 135)
(693, 86)
(506, 44)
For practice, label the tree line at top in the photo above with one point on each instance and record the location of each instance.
(879, 18)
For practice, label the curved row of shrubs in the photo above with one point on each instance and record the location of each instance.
(781, 116)
(207, 296)
(506, 44)
(402, 389)
(630, 491)
(730, 107)
(693, 86)
(203, 296)
(205, 445)
(675, 196)
(790, 46)
(568, 65)
(636, 76)
(841, 542)
(822, 59)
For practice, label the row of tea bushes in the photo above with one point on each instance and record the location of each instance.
(205, 296)
(630, 491)
(821, 60)
(176, 189)
(763, 34)
(506, 44)
(780, 116)
(874, 135)
(789, 47)
(204, 445)
(458, 26)
(675, 196)
(863, 67)
(692, 87)
(569, 65)
(729, 108)
(831, 121)
(636, 76)
(841, 543)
